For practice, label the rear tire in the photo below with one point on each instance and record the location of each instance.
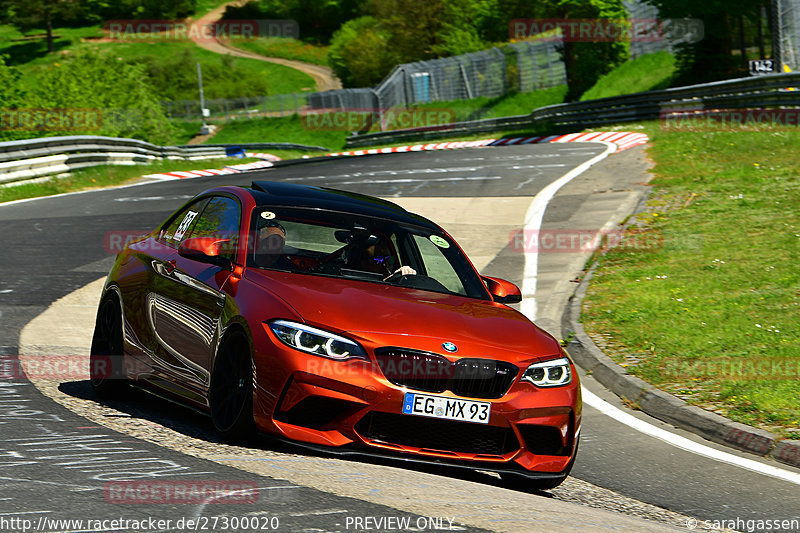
(231, 393)
(106, 368)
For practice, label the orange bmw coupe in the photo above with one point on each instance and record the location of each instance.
(341, 322)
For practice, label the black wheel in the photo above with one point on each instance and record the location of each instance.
(231, 392)
(516, 481)
(106, 369)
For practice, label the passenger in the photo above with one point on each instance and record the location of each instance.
(269, 251)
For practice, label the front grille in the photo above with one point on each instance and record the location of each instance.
(430, 372)
(436, 434)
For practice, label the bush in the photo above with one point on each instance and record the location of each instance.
(129, 104)
(359, 53)
(175, 77)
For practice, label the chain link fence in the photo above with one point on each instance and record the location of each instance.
(235, 108)
(540, 65)
(464, 77)
(526, 66)
(788, 13)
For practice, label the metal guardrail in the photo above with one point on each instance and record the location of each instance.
(777, 90)
(33, 158)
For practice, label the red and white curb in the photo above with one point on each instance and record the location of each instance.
(623, 140)
(262, 155)
(232, 169)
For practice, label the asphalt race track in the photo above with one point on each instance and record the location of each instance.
(55, 463)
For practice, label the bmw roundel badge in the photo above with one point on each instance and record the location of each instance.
(450, 347)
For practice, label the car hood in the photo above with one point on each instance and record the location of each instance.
(389, 315)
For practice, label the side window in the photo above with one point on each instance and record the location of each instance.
(181, 224)
(220, 219)
(437, 265)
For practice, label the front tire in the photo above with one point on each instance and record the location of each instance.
(231, 391)
(106, 368)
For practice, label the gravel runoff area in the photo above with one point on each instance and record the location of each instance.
(192, 434)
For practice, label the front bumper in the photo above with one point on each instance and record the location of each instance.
(350, 407)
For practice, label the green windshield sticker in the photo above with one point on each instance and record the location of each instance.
(438, 241)
(267, 215)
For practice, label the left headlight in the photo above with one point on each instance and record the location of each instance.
(553, 373)
(316, 341)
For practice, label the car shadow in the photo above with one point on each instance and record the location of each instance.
(139, 404)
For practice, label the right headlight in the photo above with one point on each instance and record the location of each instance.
(553, 373)
(316, 341)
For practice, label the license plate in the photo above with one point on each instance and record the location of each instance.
(447, 408)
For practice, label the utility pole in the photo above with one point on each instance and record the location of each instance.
(205, 129)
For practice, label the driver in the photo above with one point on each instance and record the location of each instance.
(379, 259)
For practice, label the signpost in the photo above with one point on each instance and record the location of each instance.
(759, 67)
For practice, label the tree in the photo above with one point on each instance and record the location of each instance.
(710, 58)
(121, 91)
(586, 62)
(360, 53)
(28, 14)
(318, 19)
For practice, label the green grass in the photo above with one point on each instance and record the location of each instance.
(171, 64)
(107, 176)
(30, 47)
(719, 281)
(295, 129)
(502, 106)
(283, 129)
(646, 73)
(285, 48)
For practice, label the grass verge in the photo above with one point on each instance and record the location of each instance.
(278, 129)
(646, 73)
(708, 308)
(169, 64)
(106, 176)
(285, 48)
(323, 132)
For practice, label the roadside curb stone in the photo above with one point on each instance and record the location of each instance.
(662, 405)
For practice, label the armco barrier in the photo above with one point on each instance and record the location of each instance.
(775, 91)
(48, 156)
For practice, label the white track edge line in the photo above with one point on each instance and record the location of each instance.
(533, 222)
(683, 443)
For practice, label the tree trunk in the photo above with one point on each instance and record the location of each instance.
(742, 42)
(761, 49)
(49, 26)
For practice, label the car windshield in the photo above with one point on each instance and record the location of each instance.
(343, 245)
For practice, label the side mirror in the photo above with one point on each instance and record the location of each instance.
(206, 250)
(502, 291)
